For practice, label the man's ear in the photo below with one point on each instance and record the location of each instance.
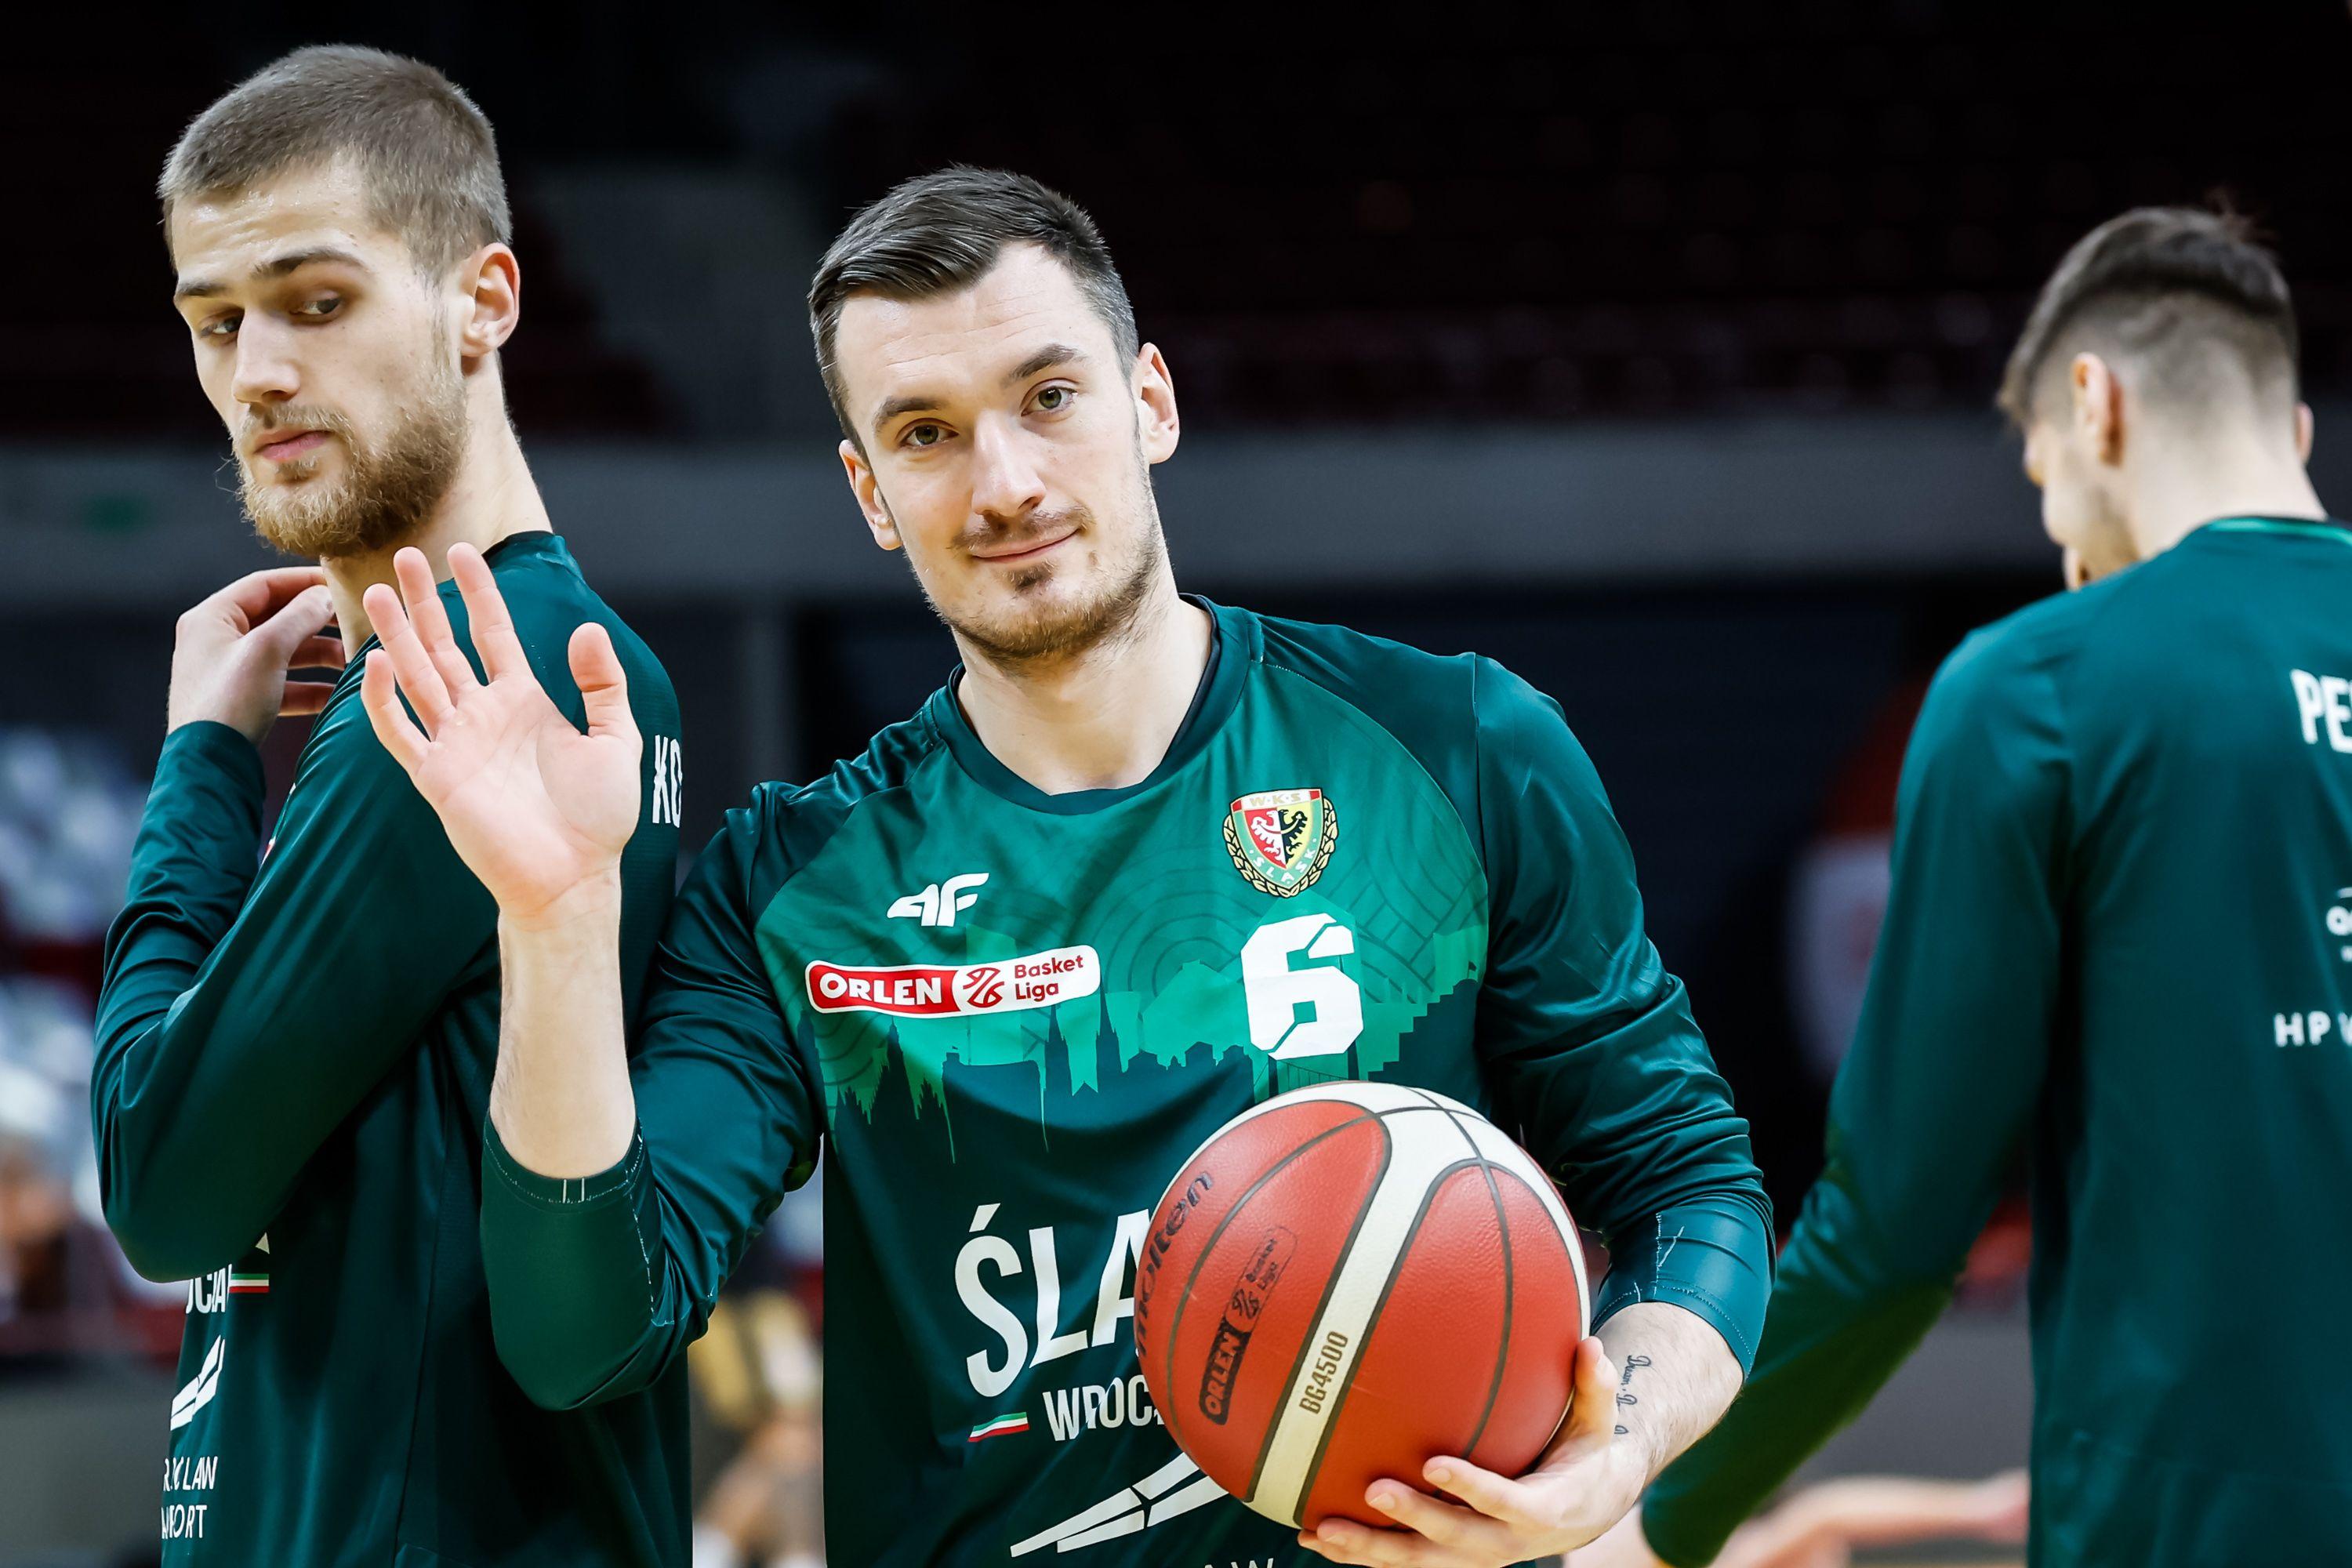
(868, 492)
(1157, 426)
(491, 281)
(2098, 407)
(2302, 431)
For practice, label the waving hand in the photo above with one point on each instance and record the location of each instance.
(539, 811)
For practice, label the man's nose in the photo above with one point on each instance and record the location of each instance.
(1006, 481)
(266, 371)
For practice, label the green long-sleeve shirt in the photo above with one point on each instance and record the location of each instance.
(2119, 942)
(293, 1065)
(1008, 1016)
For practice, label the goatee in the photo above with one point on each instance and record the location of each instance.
(1039, 638)
(388, 485)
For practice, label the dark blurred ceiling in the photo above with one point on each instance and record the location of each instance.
(1661, 209)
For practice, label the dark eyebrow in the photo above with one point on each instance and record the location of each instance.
(1045, 359)
(921, 402)
(276, 267)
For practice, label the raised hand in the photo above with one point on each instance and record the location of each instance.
(232, 652)
(537, 810)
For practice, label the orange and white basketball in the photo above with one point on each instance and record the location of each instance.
(1350, 1280)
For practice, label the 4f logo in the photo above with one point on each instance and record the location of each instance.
(938, 904)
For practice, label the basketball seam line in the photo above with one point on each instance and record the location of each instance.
(1331, 1283)
(1502, 1346)
(1404, 1246)
(1176, 1320)
(1371, 1322)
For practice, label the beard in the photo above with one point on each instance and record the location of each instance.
(1028, 634)
(387, 489)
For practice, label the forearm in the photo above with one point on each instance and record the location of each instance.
(160, 1173)
(199, 843)
(1710, 1254)
(1843, 1320)
(560, 1098)
(1676, 1377)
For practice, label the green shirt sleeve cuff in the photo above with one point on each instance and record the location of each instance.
(208, 746)
(615, 1182)
(1679, 1543)
(572, 1268)
(1712, 1257)
(200, 836)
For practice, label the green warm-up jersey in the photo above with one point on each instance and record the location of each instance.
(1006, 1018)
(2120, 943)
(293, 1069)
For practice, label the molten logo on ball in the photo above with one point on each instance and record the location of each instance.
(1259, 1276)
(1177, 1206)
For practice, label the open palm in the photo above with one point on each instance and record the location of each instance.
(537, 810)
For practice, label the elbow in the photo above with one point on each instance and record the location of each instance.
(168, 1227)
(160, 1245)
(559, 1384)
(551, 1386)
(552, 1390)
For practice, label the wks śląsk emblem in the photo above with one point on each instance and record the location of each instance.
(1282, 838)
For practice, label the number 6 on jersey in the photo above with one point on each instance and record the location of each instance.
(1276, 991)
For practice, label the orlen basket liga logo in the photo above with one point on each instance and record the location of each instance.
(1282, 838)
(939, 990)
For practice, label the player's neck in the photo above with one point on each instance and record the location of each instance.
(1099, 719)
(2180, 497)
(492, 498)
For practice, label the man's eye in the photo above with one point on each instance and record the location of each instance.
(225, 327)
(319, 309)
(1053, 399)
(922, 435)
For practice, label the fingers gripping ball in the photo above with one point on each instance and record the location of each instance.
(1350, 1280)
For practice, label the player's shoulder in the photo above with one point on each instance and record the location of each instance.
(784, 825)
(1344, 656)
(2002, 697)
(1423, 699)
(2046, 641)
(1463, 717)
(1429, 700)
(549, 595)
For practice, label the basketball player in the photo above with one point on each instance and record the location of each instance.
(1143, 862)
(2117, 945)
(293, 1061)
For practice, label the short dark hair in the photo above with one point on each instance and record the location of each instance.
(2171, 281)
(426, 151)
(940, 232)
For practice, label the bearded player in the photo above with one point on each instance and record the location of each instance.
(292, 1060)
(2115, 946)
(1143, 862)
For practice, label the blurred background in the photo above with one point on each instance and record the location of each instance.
(1649, 349)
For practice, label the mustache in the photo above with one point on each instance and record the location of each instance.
(290, 416)
(1038, 525)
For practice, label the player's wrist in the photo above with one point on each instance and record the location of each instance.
(183, 709)
(588, 907)
(1629, 1465)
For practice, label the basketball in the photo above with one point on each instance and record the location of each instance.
(1350, 1280)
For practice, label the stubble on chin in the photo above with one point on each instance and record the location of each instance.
(386, 488)
(1031, 635)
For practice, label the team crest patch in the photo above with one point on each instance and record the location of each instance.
(1282, 838)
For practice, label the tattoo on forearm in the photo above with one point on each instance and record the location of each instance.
(1625, 1396)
